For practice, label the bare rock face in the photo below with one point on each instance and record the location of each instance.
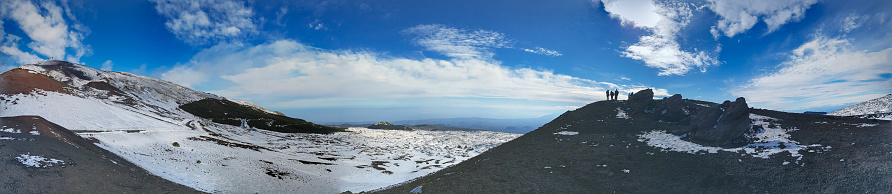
(642, 102)
(642, 96)
(672, 109)
(720, 125)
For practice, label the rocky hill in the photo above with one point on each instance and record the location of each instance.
(388, 126)
(677, 145)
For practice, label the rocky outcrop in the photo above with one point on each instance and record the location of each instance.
(642, 102)
(720, 125)
(642, 96)
(672, 109)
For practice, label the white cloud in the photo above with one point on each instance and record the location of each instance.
(852, 22)
(184, 76)
(287, 70)
(739, 16)
(47, 28)
(458, 43)
(465, 44)
(638, 13)
(198, 22)
(660, 49)
(317, 25)
(108, 65)
(543, 51)
(822, 72)
(10, 47)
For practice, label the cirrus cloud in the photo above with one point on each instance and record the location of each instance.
(822, 72)
(204, 21)
(465, 44)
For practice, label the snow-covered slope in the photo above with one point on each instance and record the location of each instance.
(234, 160)
(141, 119)
(879, 108)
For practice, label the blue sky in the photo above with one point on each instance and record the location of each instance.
(328, 61)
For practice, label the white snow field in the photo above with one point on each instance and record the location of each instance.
(230, 159)
(143, 124)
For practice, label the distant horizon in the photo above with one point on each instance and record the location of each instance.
(328, 61)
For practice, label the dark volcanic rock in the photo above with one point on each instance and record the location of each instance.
(642, 102)
(719, 125)
(231, 113)
(642, 96)
(672, 109)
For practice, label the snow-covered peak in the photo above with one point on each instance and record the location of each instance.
(141, 88)
(880, 108)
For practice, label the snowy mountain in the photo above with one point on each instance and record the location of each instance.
(879, 108)
(214, 144)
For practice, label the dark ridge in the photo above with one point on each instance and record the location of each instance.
(608, 156)
(311, 162)
(231, 113)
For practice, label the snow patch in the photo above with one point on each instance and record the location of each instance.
(862, 125)
(416, 190)
(567, 133)
(620, 114)
(766, 143)
(38, 161)
(10, 130)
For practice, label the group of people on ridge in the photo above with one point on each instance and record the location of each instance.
(612, 95)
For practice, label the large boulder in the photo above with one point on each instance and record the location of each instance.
(642, 96)
(672, 109)
(642, 102)
(720, 125)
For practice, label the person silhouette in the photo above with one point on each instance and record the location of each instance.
(608, 94)
(615, 94)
